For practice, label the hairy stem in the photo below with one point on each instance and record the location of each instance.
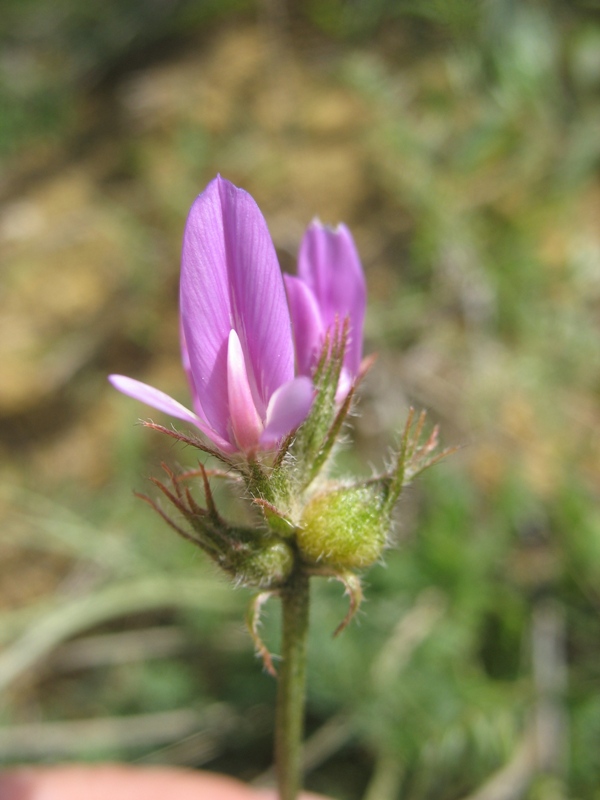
(292, 686)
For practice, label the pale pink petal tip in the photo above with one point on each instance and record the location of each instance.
(152, 397)
(245, 422)
(288, 408)
(163, 402)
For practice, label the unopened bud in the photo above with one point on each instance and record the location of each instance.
(344, 528)
(263, 563)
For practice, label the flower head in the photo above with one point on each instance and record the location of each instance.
(330, 287)
(236, 337)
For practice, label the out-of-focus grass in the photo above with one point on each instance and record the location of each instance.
(461, 147)
(53, 50)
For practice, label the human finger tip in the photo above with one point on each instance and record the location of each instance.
(16, 784)
(118, 782)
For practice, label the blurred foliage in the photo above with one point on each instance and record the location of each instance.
(51, 50)
(459, 142)
(361, 18)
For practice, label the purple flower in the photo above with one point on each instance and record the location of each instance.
(330, 286)
(236, 336)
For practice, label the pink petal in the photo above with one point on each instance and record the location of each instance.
(329, 264)
(245, 422)
(306, 323)
(205, 305)
(185, 360)
(163, 402)
(260, 312)
(230, 278)
(288, 408)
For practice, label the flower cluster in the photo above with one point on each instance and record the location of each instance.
(272, 364)
(236, 332)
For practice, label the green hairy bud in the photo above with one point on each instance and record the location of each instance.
(261, 562)
(344, 528)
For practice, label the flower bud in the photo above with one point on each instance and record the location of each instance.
(267, 567)
(252, 559)
(344, 528)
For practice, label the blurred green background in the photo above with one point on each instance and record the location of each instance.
(460, 141)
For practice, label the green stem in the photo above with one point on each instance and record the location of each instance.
(289, 725)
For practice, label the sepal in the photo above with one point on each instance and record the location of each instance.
(317, 435)
(251, 557)
(413, 455)
(275, 519)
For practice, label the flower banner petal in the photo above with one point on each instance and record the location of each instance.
(185, 360)
(205, 305)
(260, 313)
